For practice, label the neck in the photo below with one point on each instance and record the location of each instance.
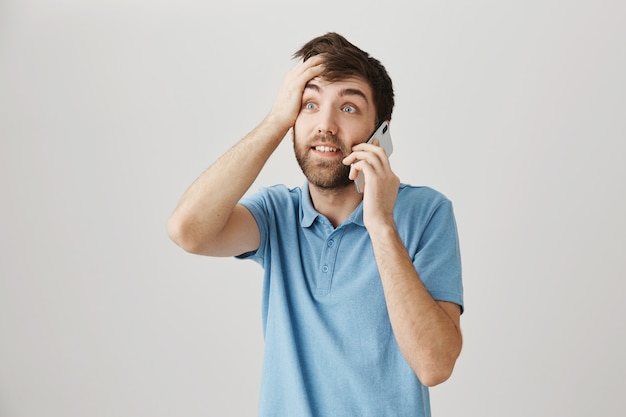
(335, 204)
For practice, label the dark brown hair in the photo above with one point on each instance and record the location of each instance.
(343, 60)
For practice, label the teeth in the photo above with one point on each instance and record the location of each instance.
(325, 149)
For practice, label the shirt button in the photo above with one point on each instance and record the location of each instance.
(331, 243)
(325, 268)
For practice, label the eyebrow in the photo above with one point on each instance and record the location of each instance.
(345, 92)
(354, 92)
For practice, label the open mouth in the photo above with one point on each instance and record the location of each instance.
(326, 149)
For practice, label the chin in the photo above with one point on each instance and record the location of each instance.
(330, 183)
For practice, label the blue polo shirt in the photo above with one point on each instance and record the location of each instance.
(329, 347)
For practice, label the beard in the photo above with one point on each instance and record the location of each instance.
(326, 174)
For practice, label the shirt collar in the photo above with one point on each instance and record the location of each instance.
(308, 213)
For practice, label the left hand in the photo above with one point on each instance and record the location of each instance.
(381, 183)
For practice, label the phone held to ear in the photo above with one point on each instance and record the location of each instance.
(384, 141)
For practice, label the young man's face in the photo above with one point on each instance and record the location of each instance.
(334, 117)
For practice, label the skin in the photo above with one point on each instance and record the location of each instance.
(337, 117)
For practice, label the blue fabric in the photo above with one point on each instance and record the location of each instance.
(329, 347)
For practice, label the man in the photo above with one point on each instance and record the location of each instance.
(362, 294)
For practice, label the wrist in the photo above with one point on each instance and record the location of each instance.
(383, 228)
(275, 126)
(280, 120)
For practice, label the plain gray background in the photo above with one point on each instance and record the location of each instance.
(109, 109)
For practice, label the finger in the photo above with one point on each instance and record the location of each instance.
(376, 159)
(312, 62)
(348, 160)
(354, 172)
(374, 154)
(315, 65)
(370, 147)
(315, 58)
(358, 167)
(363, 166)
(355, 157)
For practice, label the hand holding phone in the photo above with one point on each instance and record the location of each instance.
(384, 141)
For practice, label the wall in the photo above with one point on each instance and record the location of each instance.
(110, 109)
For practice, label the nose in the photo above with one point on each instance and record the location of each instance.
(326, 122)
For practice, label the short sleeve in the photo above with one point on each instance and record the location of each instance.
(438, 258)
(256, 205)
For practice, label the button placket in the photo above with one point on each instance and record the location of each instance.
(327, 262)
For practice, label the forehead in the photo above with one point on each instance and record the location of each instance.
(348, 86)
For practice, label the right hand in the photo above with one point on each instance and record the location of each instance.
(289, 100)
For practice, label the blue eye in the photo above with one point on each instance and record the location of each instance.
(349, 109)
(309, 106)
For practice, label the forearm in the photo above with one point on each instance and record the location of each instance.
(208, 203)
(205, 209)
(427, 335)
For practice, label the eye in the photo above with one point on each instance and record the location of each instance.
(310, 106)
(349, 109)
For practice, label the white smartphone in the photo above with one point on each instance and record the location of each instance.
(384, 141)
